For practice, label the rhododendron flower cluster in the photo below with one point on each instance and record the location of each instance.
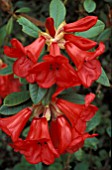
(59, 126)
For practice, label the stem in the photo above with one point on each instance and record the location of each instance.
(67, 166)
(33, 20)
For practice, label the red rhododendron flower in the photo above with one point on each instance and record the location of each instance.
(89, 72)
(61, 133)
(88, 67)
(13, 125)
(78, 140)
(77, 47)
(74, 112)
(55, 69)
(81, 25)
(7, 83)
(37, 147)
(26, 56)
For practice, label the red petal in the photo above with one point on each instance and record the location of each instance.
(81, 25)
(13, 125)
(42, 132)
(49, 153)
(54, 49)
(17, 50)
(89, 112)
(50, 26)
(34, 49)
(89, 98)
(93, 55)
(60, 136)
(33, 154)
(66, 76)
(72, 111)
(22, 66)
(80, 125)
(89, 72)
(78, 56)
(80, 42)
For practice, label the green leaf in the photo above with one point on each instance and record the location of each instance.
(105, 35)
(6, 71)
(89, 5)
(28, 27)
(82, 166)
(91, 143)
(23, 81)
(24, 165)
(25, 131)
(94, 31)
(79, 155)
(5, 110)
(2, 34)
(23, 9)
(48, 96)
(103, 79)
(38, 166)
(55, 166)
(9, 26)
(95, 121)
(71, 96)
(37, 93)
(57, 11)
(16, 98)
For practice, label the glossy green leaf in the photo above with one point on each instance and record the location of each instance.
(91, 143)
(71, 96)
(95, 121)
(2, 34)
(23, 9)
(9, 26)
(94, 31)
(89, 5)
(57, 11)
(105, 35)
(16, 98)
(28, 27)
(37, 93)
(48, 96)
(5, 110)
(6, 71)
(103, 79)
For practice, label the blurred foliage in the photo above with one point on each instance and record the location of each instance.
(95, 155)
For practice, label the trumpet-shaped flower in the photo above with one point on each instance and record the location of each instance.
(37, 147)
(13, 125)
(55, 69)
(26, 56)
